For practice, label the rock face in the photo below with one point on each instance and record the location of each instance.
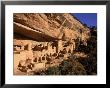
(45, 40)
(50, 26)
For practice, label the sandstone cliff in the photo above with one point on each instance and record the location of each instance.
(50, 26)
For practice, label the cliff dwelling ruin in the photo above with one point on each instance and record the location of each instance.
(45, 40)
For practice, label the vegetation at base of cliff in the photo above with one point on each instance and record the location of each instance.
(89, 62)
(67, 67)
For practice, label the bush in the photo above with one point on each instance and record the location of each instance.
(72, 67)
(67, 67)
(53, 71)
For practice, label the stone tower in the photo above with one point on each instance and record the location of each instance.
(59, 46)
